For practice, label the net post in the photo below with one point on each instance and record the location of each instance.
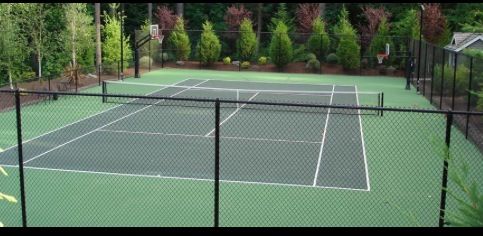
(20, 156)
(104, 91)
(382, 102)
(449, 122)
(217, 165)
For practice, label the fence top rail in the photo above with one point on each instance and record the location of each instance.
(249, 102)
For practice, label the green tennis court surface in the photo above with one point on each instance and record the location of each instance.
(136, 163)
(177, 142)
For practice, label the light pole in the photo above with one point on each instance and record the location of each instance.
(420, 39)
(122, 46)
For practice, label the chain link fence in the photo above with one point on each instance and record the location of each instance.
(168, 160)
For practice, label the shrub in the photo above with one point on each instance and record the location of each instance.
(165, 56)
(245, 65)
(180, 41)
(209, 46)
(378, 43)
(348, 49)
(313, 64)
(319, 41)
(281, 50)
(262, 60)
(479, 104)
(145, 61)
(299, 54)
(310, 56)
(248, 40)
(462, 80)
(227, 60)
(332, 58)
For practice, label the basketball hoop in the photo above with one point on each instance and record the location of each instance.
(154, 31)
(381, 57)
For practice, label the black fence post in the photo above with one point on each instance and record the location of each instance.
(442, 80)
(217, 165)
(449, 122)
(118, 71)
(104, 91)
(468, 105)
(20, 157)
(382, 103)
(425, 67)
(454, 79)
(432, 75)
(76, 77)
(99, 74)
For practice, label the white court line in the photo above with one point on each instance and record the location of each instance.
(29, 140)
(323, 138)
(188, 178)
(203, 136)
(110, 123)
(265, 82)
(363, 146)
(232, 114)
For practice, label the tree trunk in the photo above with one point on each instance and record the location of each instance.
(322, 10)
(259, 26)
(39, 63)
(10, 78)
(179, 9)
(98, 37)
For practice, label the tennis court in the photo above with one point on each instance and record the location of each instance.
(312, 148)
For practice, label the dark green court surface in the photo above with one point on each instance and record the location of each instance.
(312, 148)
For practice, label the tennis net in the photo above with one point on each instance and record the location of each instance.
(302, 97)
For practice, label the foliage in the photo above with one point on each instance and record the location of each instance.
(348, 50)
(282, 15)
(198, 13)
(299, 53)
(332, 58)
(55, 55)
(319, 41)
(235, 15)
(180, 41)
(476, 53)
(209, 46)
(379, 41)
(313, 64)
(247, 41)
(408, 25)
(281, 50)
(145, 61)
(3, 196)
(310, 56)
(111, 47)
(306, 14)
(434, 23)
(227, 60)
(479, 104)
(245, 65)
(374, 17)
(14, 49)
(166, 19)
(262, 60)
(475, 21)
(462, 79)
(80, 34)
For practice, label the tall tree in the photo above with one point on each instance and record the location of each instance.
(14, 47)
(33, 16)
(434, 23)
(79, 31)
(306, 14)
(111, 46)
(179, 9)
(282, 15)
(98, 37)
(259, 25)
(150, 13)
(373, 17)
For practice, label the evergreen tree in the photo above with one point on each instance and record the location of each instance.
(209, 47)
(281, 50)
(248, 40)
(319, 41)
(179, 40)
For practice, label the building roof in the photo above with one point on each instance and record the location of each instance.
(462, 40)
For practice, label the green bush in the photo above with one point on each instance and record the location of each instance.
(479, 104)
(300, 53)
(248, 40)
(332, 58)
(348, 49)
(461, 82)
(145, 61)
(245, 65)
(227, 60)
(310, 56)
(313, 65)
(319, 41)
(165, 56)
(179, 40)
(209, 47)
(262, 60)
(281, 50)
